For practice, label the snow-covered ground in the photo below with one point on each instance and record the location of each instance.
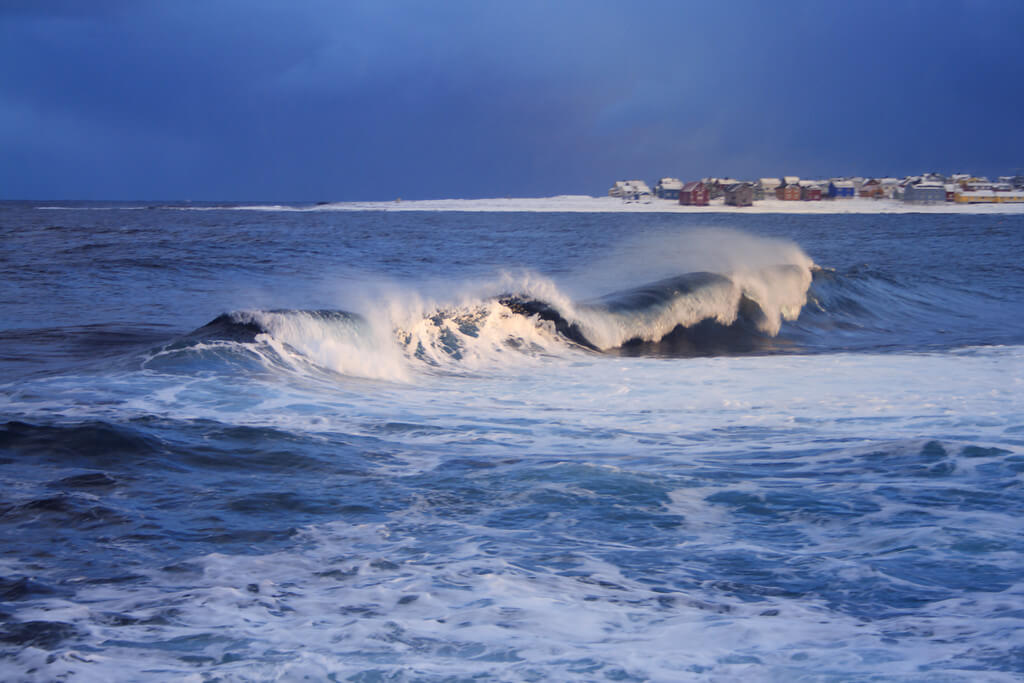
(584, 203)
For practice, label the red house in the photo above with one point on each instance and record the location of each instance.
(694, 194)
(790, 193)
(810, 193)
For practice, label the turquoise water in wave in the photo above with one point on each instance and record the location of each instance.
(241, 444)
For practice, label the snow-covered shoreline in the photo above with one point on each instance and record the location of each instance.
(580, 204)
(587, 204)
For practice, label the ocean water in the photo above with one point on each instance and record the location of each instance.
(242, 443)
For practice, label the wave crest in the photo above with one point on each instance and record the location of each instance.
(757, 284)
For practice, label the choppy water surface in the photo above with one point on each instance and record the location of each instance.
(246, 445)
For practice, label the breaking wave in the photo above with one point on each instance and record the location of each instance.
(697, 313)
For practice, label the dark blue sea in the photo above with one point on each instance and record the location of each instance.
(245, 443)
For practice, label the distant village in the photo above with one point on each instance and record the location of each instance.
(928, 188)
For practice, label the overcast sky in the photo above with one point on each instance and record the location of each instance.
(346, 100)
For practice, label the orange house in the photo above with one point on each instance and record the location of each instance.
(871, 188)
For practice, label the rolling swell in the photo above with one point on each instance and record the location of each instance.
(862, 308)
(693, 314)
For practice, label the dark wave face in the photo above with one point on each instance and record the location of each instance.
(659, 294)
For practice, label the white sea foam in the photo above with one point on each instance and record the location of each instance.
(853, 398)
(345, 599)
(367, 599)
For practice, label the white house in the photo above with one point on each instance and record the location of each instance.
(668, 188)
(630, 189)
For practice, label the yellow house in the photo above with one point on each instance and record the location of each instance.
(989, 197)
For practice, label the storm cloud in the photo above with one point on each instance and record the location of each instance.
(375, 100)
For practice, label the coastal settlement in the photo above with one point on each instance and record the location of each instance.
(928, 188)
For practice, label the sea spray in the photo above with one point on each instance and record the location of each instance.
(650, 256)
(342, 342)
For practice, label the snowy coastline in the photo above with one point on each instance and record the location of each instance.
(585, 204)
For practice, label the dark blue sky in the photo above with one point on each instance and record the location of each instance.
(325, 100)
